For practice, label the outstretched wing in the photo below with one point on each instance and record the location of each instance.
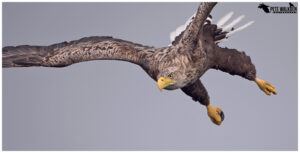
(192, 32)
(67, 53)
(176, 35)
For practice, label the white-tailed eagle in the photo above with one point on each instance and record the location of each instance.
(193, 51)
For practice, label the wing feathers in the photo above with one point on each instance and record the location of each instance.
(22, 56)
(181, 28)
(176, 34)
(191, 32)
(67, 53)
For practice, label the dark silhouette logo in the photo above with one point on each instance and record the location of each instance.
(291, 4)
(278, 9)
(264, 7)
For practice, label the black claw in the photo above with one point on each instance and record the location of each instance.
(222, 116)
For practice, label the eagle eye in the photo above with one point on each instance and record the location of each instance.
(170, 75)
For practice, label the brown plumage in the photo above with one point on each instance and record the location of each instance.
(192, 53)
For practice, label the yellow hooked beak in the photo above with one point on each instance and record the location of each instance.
(163, 82)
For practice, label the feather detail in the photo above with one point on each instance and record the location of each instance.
(181, 28)
(67, 53)
(240, 28)
(222, 40)
(224, 19)
(234, 22)
(224, 31)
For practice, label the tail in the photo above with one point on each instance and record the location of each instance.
(224, 31)
(221, 34)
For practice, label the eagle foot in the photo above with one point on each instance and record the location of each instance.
(216, 115)
(265, 86)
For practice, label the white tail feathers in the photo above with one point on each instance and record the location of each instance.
(209, 19)
(234, 22)
(220, 25)
(239, 29)
(229, 27)
(224, 19)
(222, 40)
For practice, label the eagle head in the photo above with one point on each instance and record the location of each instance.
(171, 78)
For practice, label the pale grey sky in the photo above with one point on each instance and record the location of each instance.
(113, 105)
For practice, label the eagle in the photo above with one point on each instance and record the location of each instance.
(193, 51)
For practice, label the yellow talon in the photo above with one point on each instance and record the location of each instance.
(216, 115)
(265, 86)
